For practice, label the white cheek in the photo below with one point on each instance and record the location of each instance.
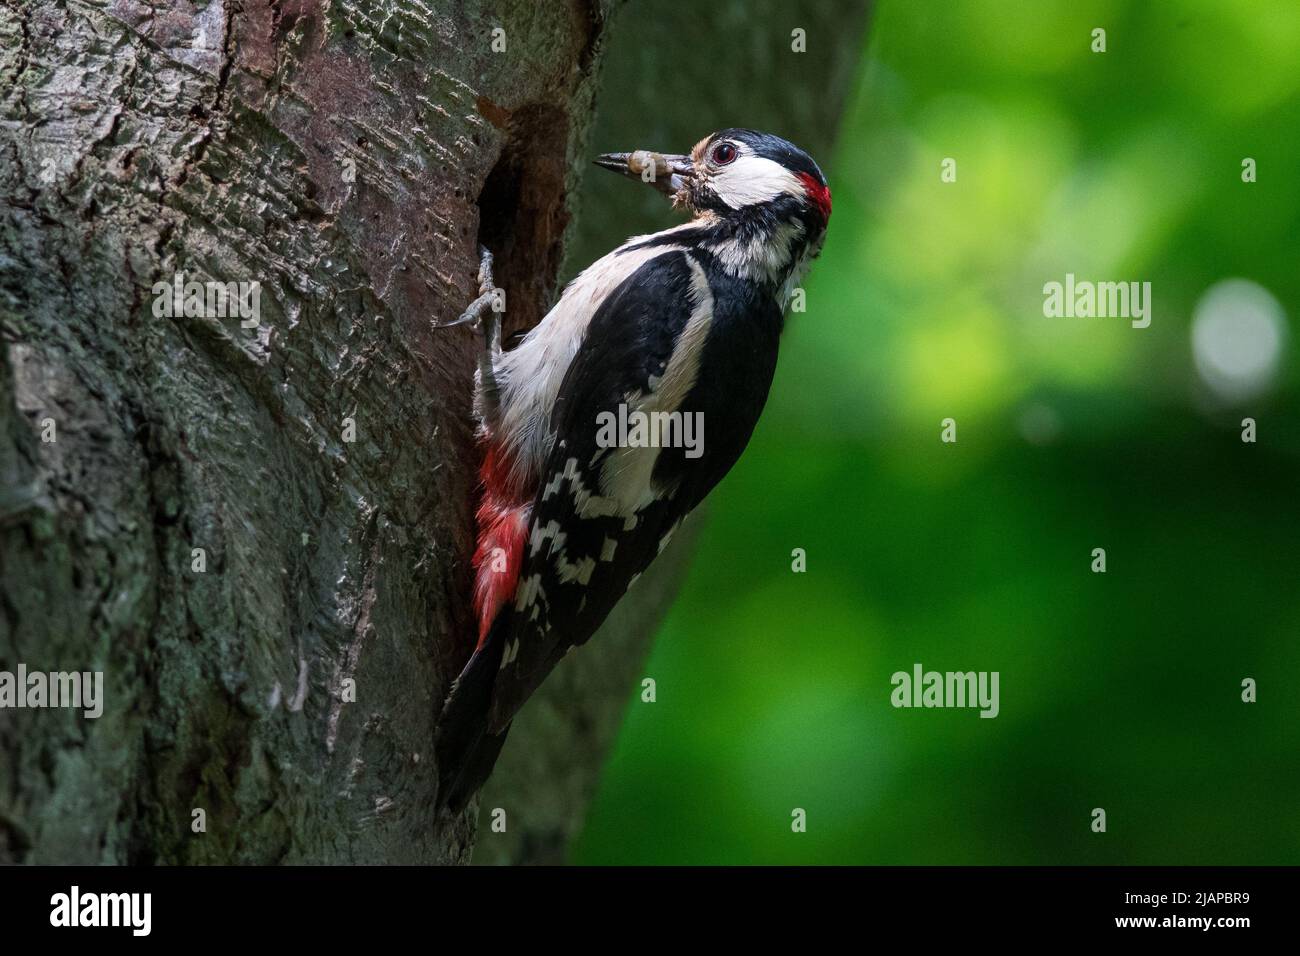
(752, 179)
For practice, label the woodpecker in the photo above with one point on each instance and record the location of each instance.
(681, 321)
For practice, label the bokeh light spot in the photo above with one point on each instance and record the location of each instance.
(1238, 334)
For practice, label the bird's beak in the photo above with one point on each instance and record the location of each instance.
(665, 172)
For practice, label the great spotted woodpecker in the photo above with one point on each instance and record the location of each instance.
(686, 320)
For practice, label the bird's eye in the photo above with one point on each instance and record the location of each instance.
(723, 154)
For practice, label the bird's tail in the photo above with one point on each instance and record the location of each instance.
(465, 750)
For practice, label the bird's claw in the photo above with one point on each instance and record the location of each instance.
(485, 283)
(482, 314)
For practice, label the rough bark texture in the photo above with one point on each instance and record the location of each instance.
(348, 156)
(214, 139)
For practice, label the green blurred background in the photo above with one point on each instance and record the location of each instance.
(1119, 690)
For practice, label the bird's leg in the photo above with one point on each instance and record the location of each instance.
(484, 314)
(490, 355)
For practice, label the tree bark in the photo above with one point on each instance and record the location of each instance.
(260, 535)
(347, 157)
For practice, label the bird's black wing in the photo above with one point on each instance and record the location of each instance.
(588, 539)
(565, 581)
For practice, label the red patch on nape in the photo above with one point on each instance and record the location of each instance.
(819, 195)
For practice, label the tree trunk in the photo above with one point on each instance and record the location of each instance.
(257, 525)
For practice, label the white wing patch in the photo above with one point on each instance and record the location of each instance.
(529, 375)
(540, 535)
(526, 592)
(626, 475)
(568, 571)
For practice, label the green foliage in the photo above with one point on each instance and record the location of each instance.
(1119, 690)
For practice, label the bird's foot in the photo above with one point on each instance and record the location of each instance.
(484, 313)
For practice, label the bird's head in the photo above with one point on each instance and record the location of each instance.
(736, 174)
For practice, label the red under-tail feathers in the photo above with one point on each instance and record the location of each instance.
(502, 528)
